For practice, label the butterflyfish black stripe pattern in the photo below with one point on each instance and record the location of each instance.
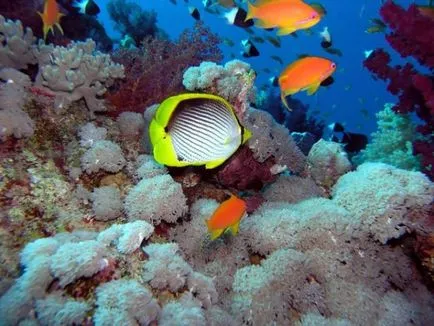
(203, 131)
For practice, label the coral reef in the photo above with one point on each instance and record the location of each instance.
(409, 36)
(94, 231)
(130, 19)
(272, 140)
(156, 199)
(163, 62)
(233, 81)
(327, 162)
(17, 49)
(392, 199)
(78, 71)
(13, 97)
(103, 155)
(75, 26)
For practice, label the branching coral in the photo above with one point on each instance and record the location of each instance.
(17, 45)
(154, 71)
(77, 71)
(13, 96)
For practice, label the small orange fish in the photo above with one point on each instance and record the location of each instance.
(227, 216)
(51, 17)
(307, 74)
(287, 15)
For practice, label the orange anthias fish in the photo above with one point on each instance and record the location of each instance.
(227, 216)
(287, 15)
(305, 74)
(51, 17)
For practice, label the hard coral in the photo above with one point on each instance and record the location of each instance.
(154, 71)
(410, 36)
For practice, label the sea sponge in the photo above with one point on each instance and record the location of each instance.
(127, 237)
(74, 260)
(131, 124)
(125, 302)
(56, 310)
(262, 293)
(185, 312)
(89, 134)
(283, 225)
(156, 199)
(165, 269)
(292, 189)
(270, 139)
(107, 203)
(149, 168)
(103, 155)
(383, 198)
(327, 162)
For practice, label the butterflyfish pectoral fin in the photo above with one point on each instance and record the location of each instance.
(313, 88)
(234, 228)
(216, 233)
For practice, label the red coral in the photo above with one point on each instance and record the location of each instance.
(411, 35)
(243, 172)
(155, 71)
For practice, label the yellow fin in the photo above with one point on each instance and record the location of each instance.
(286, 31)
(60, 28)
(234, 228)
(261, 24)
(313, 88)
(251, 9)
(246, 135)
(216, 233)
(285, 103)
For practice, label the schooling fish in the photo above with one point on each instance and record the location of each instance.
(194, 12)
(195, 129)
(237, 16)
(86, 7)
(307, 74)
(249, 49)
(287, 15)
(227, 217)
(50, 17)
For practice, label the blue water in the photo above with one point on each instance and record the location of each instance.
(354, 89)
